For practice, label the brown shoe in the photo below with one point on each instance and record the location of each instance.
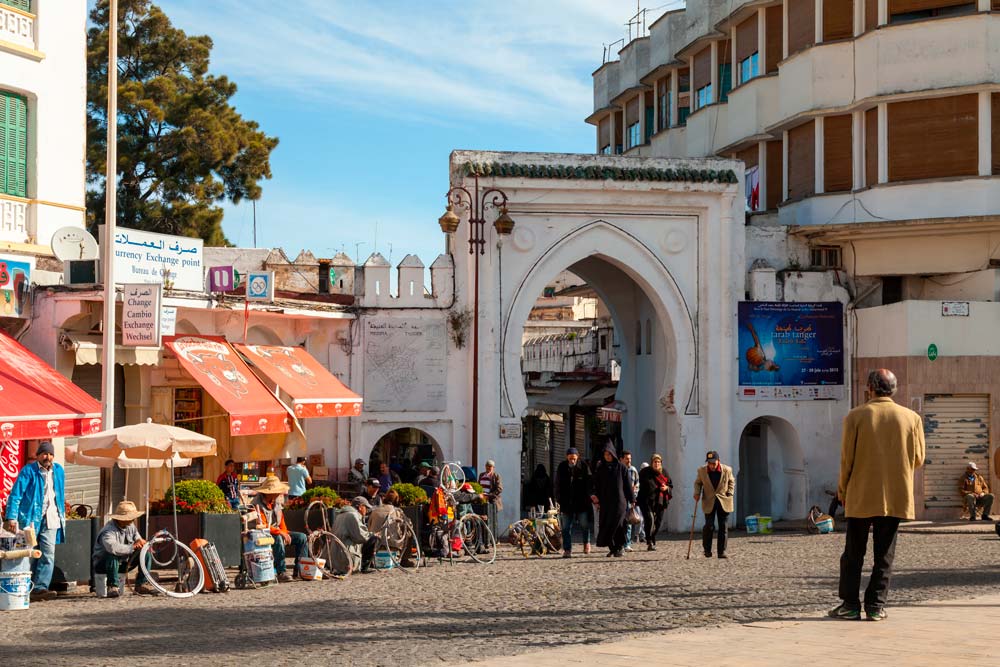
(284, 578)
(586, 548)
(145, 589)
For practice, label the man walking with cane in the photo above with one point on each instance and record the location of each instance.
(883, 443)
(715, 486)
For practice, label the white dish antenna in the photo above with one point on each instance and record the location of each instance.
(73, 243)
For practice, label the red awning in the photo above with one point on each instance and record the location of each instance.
(314, 390)
(214, 364)
(37, 402)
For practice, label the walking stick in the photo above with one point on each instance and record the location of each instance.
(693, 515)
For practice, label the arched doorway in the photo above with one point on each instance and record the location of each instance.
(771, 480)
(404, 449)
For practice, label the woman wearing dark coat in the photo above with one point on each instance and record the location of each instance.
(539, 488)
(655, 488)
(612, 495)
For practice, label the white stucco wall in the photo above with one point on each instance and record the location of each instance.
(54, 82)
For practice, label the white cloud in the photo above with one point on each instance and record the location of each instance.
(521, 62)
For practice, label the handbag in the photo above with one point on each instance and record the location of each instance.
(633, 516)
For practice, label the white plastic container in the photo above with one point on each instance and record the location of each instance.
(15, 590)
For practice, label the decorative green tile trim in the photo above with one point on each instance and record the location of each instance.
(597, 173)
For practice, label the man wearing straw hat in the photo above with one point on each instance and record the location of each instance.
(38, 500)
(116, 549)
(270, 516)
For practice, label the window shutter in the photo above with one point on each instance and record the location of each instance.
(14, 144)
(18, 4)
(746, 39)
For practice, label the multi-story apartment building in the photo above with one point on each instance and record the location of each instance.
(870, 131)
(43, 101)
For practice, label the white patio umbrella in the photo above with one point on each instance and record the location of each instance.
(145, 443)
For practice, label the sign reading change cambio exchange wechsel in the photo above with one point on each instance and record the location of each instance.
(144, 257)
(141, 315)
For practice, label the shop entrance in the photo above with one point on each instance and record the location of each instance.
(771, 478)
(404, 449)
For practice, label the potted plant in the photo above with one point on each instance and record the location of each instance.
(295, 510)
(414, 501)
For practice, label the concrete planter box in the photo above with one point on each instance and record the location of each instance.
(295, 520)
(417, 514)
(73, 555)
(489, 510)
(223, 530)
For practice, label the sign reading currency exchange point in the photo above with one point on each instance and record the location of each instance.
(932, 352)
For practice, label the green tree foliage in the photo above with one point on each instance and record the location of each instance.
(182, 147)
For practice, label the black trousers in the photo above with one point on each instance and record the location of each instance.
(883, 530)
(720, 516)
(652, 517)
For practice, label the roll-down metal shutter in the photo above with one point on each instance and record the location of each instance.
(956, 430)
(559, 445)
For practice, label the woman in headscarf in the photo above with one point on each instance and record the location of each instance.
(612, 495)
(539, 488)
(655, 490)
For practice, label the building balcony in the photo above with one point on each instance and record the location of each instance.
(907, 329)
(670, 143)
(708, 130)
(606, 84)
(894, 60)
(17, 220)
(973, 196)
(17, 30)
(757, 102)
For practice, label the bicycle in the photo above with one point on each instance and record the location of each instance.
(395, 534)
(163, 550)
(324, 545)
(452, 534)
(538, 535)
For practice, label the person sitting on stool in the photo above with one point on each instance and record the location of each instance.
(270, 517)
(975, 492)
(116, 549)
(349, 527)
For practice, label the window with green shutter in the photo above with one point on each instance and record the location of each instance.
(18, 4)
(13, 144)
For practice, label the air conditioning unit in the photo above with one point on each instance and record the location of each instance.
(81, 272)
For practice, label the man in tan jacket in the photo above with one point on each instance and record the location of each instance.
(975, 492)
(883, 444)
(718, 484)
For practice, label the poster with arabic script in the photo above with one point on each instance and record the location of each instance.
(790, 351)
(176, 262)
(405, 367)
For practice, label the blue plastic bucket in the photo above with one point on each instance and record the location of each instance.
(825, 526)
(15, 588)
(751, 524)
(383, 560)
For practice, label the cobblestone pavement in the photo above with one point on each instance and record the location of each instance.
(447, 614)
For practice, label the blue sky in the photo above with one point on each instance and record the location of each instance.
(369, 98)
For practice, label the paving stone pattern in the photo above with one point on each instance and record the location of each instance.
(448, 614)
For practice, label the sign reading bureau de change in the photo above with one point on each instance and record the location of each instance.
(790, 351)
(141, 315)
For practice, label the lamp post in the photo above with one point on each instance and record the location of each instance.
(476, 202)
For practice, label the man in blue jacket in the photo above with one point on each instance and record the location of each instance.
(38, 500)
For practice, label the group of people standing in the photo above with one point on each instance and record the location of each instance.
(614, 489)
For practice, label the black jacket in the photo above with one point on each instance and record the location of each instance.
(649, 490)
(573, 486)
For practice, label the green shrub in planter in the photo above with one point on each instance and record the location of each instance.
(477, 487)
(410, 494)
(194, 496)
(324, 493)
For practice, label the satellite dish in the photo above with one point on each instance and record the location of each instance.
(69, 243)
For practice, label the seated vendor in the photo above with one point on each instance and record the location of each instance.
(376, 525)
(464, 498)
(349, 527)
(268, 505)
(116, 549)
(975, 492)
(373, 492)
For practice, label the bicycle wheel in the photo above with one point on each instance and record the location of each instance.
(477, 538)
(452, 476)
(319, 517)
(397, 534)
(163, 549)
(326, 545)
(551, 536)
(190, 575)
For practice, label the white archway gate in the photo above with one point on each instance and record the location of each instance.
(673, 228)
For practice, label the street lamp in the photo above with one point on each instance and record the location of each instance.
(476, 202)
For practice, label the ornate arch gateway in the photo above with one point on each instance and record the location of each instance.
(660, 240)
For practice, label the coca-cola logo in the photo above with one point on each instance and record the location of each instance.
(53, 427)
(10, 464)
(7, 430)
